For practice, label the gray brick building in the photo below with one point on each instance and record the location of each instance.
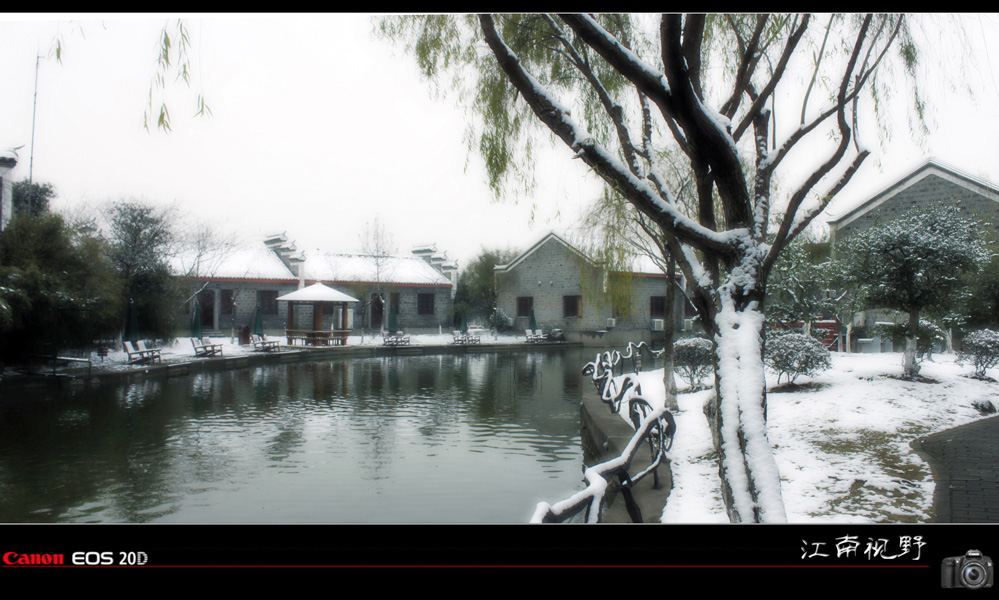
(230, 286)
(569, 291)
(929, 185)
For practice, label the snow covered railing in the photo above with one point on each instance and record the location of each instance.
(634, 352)
(656, 426)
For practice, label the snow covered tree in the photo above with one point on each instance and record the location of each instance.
(914, 264)
(379, 246)
(621, 92)
(796, 288)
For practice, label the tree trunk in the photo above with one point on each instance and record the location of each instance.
(750, 480)
(669, 379)
(911, 368)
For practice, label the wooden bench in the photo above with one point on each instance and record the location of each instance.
(395, 338)
(534, 335)
(139, 354)
(203, 348)
(261, 344)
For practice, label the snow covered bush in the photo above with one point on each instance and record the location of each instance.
(795, 354)
(982, 349)
(692, 360)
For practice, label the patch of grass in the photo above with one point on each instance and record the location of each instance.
(917, 379)
(811, 386)
(905, 502)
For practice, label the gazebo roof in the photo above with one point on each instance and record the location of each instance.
(317, 292)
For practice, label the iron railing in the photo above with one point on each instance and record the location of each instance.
(655, 426)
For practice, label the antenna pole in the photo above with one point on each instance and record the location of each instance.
(34, 106)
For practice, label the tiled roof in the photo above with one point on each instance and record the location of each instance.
(360, 268)
(254, 261)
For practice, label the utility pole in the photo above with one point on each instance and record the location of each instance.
(34, 107)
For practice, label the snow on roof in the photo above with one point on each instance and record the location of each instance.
(930, 166)
(255, 261)
(317, 292)
(641, 265)
(362, 268)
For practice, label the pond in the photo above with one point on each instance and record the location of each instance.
(472, 438)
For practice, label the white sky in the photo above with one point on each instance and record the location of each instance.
(318, 128)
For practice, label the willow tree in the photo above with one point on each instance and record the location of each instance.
(623, 92)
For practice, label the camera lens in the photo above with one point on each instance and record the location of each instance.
(973, 575)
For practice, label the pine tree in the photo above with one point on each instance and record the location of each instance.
(915, 264)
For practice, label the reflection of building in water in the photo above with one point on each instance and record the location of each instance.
(478, 369)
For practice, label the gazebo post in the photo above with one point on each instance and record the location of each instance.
(317, 315)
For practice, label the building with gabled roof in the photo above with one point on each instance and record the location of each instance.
(229, 284)
(8, 160)
(929, 185)
(569, 291)
(420, 292)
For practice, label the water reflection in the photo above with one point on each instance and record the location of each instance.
(464, 438)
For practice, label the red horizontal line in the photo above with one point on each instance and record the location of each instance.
(473, 566)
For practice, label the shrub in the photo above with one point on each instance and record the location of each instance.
(692, 359)
(982, 348)
(795, 354)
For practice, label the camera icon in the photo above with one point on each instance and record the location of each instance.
(972, 571)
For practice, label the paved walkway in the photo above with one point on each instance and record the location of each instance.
(965, 463)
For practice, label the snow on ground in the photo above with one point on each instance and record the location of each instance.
(182, 349)
(841, 440)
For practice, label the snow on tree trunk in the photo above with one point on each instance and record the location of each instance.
(669, 380)
(911, 346)
(751, 482)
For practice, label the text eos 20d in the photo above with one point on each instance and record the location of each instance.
(110, 558)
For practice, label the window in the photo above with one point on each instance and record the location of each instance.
(425, 304)
(657, 307)
(524, 306)
(268, 302)
(572, 306)
(228, 302)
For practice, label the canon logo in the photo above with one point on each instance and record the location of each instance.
(14, 558)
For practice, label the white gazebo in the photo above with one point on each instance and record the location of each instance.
(321, 298)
